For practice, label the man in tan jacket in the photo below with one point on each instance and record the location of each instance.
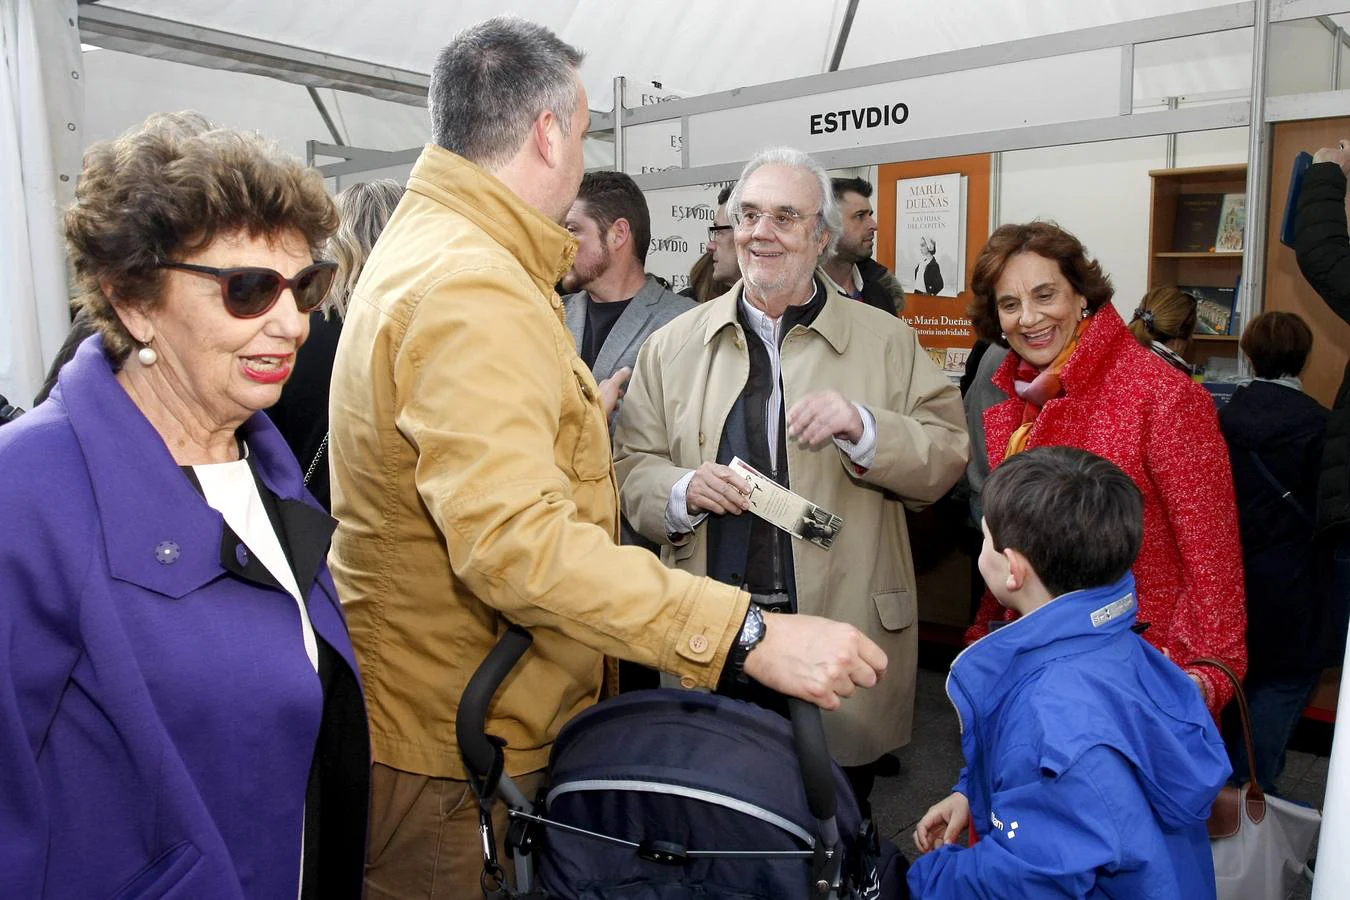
(831, 398)
(473, 482)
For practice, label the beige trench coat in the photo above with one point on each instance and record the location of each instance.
(690, 373)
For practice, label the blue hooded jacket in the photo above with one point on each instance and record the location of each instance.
(1091, 762)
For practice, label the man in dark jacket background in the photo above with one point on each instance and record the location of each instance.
(1323, 248)
(1320, 240)
(852, 267)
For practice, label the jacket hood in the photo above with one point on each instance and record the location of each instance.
(1096, 683)
(1265, 414)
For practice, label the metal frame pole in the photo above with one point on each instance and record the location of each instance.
(1251, 297)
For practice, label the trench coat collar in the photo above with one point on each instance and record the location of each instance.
(543, 247)
(831, 323)
(158, 532)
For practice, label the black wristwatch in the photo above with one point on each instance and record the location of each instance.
(752, 632)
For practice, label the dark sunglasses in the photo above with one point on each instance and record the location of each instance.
(250, 291)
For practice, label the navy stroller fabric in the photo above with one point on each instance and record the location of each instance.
(699, 772)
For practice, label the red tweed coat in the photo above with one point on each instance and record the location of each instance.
(1124, 403)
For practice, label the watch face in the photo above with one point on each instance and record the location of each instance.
(753, 631)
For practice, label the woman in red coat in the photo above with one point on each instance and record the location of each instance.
(1077, 377)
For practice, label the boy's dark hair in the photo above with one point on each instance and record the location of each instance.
(1077, 518)
(842, 186)
(610, 196)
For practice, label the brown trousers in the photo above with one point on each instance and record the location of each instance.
(424, 842)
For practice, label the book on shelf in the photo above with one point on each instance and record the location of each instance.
(1214, 307)
(1197, 225)
(1290, 220)
(1232, 223)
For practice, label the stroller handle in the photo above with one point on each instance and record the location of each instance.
(481, 755)
(808, 732)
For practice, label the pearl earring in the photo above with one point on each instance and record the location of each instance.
(147, 355)
(1003, 334)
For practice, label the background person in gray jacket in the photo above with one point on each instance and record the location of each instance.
(616, 304)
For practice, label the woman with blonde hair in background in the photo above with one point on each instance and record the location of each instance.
(301, 415)
(1164, 322)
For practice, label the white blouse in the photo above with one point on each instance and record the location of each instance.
(229, 489)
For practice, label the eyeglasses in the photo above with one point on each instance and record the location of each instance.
(715, 231)
(782, 221)
(250, 291)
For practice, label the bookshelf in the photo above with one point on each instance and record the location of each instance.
(1169, 266)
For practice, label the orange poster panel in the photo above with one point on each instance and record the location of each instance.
(941, 322)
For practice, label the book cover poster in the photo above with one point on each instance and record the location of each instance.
(930, 233)
(1232, 221)
(1214, 308)
(1197, 226)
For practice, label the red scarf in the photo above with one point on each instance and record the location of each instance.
(1038, 387)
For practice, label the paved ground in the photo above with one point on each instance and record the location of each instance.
(930, 764)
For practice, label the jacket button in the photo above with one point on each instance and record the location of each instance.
(166, 552)
(701, 439)
(688, 682)
(698, 643)
(241, 555)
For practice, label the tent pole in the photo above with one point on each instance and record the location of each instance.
(842, 40)
(1251, 297)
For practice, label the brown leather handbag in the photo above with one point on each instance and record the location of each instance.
(1225, 818)
(1260, 844)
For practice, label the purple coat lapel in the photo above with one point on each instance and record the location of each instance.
(159, 533)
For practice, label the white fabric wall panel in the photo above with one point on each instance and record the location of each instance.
(1100, 192)
(41, 108)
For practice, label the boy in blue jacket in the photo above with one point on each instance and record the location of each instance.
(1091, 761)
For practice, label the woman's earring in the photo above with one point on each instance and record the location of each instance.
(147, 355)
(1082, 314)
(1003, 334)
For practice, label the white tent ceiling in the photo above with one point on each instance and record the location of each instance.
(694, 47)
(697, 46)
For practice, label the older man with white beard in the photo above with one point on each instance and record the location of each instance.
(830, 398)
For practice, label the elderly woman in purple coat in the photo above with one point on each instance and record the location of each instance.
(180, 712)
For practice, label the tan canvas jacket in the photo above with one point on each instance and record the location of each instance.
(473, 486)
(689, 374)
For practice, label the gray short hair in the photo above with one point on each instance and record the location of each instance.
(493, 80)
(830, 221)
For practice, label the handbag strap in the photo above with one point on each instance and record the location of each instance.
(1256, 798)
(1285, 494)
(318, 457)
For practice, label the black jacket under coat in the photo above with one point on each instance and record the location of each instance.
(1286, 565)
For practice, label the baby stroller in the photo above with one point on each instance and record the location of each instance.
(669, 794)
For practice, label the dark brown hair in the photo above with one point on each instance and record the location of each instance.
(168, 189)
(860, 186)
(1277, 343)
(1044, 239)
(1076, 517)
(611, 196)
